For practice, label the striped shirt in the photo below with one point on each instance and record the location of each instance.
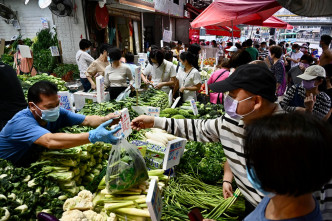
(322, 105)
(231, 135)
(263, 54)
(324, 197)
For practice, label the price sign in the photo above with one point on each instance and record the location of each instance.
(206, 88)
(194, 106)
(154, 201)
(65, 101)
(153, 111)
(100, 89)
(138, 79)
(125, 123)
(174, 152)
(170, 98)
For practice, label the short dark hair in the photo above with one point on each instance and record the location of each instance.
(276, 50)
(154, 47)
(129, 57)
(84, 44)
(307, 58)
(157, 55)
(194, 48)
(168, 55)
(296, 46)
(238, 45)
(41, 87)
(179, 42)
(326, 39)
(263, 43)
(244, 44)
(301, 142)
(190, 58)
(239, 58)
(271, 42)
(229, 44)
(115, 54)
(249, 42)
(104, 47)
(287, 45)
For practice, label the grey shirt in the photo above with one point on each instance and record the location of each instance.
(117, 77)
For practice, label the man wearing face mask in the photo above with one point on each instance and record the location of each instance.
(307, 97)
(251, 95)
(294, 56)
(305, 62)
(83, 61)
(36, 126)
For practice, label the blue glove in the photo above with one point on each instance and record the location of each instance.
(103, 135)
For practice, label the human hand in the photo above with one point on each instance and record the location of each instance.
(93, 86)
(227, 190)
(300, 109)
(158, 86)
(104, 135)
(142, 122)
(182, 89)
(309, 102)
(116, 118)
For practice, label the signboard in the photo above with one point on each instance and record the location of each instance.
(138, 78)
(167, 36)
(194, 106)
(174, 152)
(125, 123)
(100, 89)
(65, 100)
(144, 4)
(206, 88)
(25, 51)
(154, 201)
(176, 102)
(153, 111)
(54, 51)
(44, 23)
(170, 98)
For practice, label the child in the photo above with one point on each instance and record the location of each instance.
(288, 157)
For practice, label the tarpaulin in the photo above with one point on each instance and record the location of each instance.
(271, 22)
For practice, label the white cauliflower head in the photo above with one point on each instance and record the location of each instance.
(90, 215)
(73, 215)
(86, 195)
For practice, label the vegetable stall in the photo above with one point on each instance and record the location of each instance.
(104, 182)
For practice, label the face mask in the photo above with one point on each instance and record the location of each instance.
(50, 115)
(308, 84)
(303, 65)
(181, 65)
(255, 182)
(88, 51)
(294, 51)
(231, 104)
(109, 60)
(148, 54)
(320, 45)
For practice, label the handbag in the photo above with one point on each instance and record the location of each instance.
(218, 101)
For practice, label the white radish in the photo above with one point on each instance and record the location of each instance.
(170, 137)
(155, 142)
(156, 137)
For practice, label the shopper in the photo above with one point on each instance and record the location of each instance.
(239, 58)
(130, 63)
(97, 67)
(38, 125)
(288, 49)
(251, 96)
(304, 145)
(305, 62)
(188, 76)
(83, 61)
(263, 52)
(219, 75)
(278, 69)
(328, 91)
(307, 97)
(252, 51)
(294, 56)
(11, 94)
(231, 51)
(162, 72)
(326, 56)
(116, 74)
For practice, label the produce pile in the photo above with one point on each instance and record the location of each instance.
(205, 111)
(75, 168)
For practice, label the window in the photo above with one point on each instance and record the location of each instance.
(176, 2)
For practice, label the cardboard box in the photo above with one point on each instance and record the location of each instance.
(81, 98)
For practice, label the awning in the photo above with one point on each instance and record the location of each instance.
(234, 12)
(222, 31)
(308, 8)
(271, 22)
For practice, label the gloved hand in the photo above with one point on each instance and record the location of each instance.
(103, 135)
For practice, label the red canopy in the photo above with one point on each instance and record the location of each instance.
(271, 22)
(222, 31)
(234, 12)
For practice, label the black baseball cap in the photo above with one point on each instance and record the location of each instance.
(251, 77)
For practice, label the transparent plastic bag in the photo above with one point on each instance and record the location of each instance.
(126, 167)
(124, 94)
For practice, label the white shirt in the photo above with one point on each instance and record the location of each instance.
(295, 56)
(163, 73)
(117, 77)
(83, 60)
(188, 80)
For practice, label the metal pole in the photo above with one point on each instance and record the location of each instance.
(232, 32)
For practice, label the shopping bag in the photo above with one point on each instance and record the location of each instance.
(124, 94)
(126, 167)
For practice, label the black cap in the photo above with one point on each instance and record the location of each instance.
(250, 77)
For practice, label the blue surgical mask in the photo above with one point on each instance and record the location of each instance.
(309, 84)
(231, 104)
(50, 115)
(256, 183)
(148, 54)
(88, 51)
(181, 65)
(109, 60)
(294, 50)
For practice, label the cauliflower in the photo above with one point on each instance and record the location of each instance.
(112, 217)
(90, 215)
(99, 218)
(77, 203)
(73, 215)
(86, 195)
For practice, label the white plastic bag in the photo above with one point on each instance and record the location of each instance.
(124, 94)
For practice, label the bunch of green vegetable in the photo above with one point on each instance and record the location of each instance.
(24, 192)
(8, 59)
(62, 69)
(205, 160)
(186, 192)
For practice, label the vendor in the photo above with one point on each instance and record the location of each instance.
(162, 72)
(188, 76)
(36, 126)
(116, 74)
(98, 66)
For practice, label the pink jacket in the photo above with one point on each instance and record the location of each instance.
(214, 78)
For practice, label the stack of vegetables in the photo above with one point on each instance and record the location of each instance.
(24, 192)
(187, 192)
(205, 111)
(75, 168)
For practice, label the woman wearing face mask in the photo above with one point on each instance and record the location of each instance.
(162, 72)
(116, 74)
(98, 66)
(278, 69)
(308, 97)
(188, 76)
(305, 62)
(307, 166)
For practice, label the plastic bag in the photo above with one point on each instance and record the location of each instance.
(124, 94)
(126, 167)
